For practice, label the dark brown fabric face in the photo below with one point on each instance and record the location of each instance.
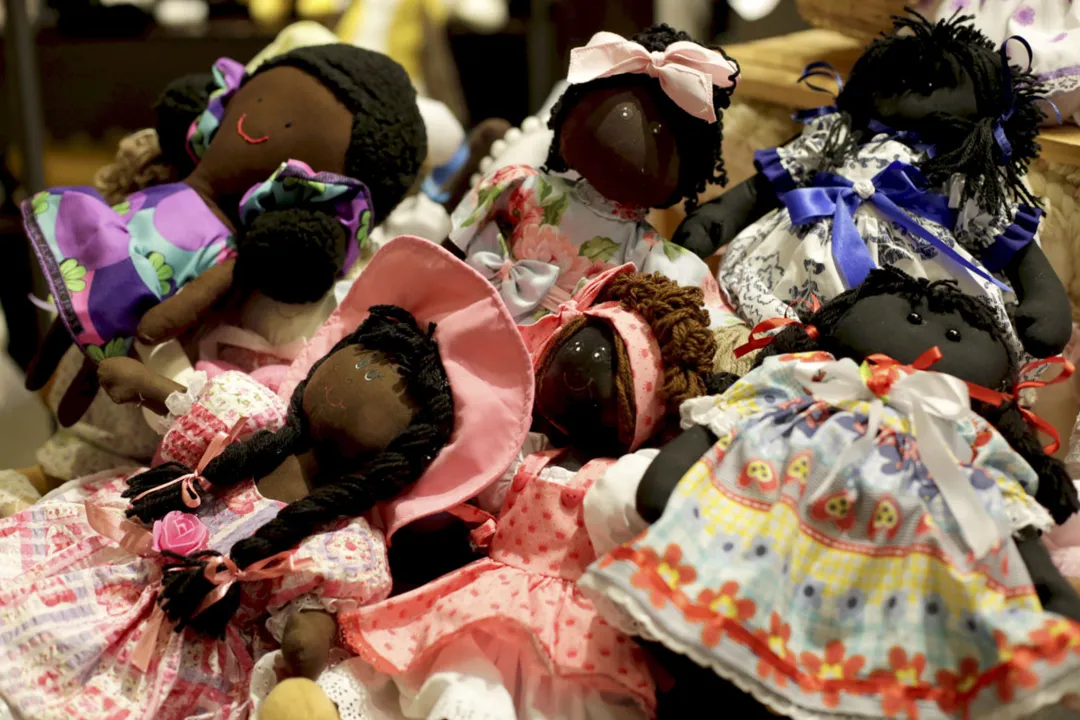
(278, 115)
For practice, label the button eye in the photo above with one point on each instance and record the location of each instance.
(914, 318)
(952, 335)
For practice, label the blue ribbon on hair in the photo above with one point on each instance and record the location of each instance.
(1000, 137)
(898, 188)
(818, 69)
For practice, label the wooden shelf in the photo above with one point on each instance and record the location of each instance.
(770, 70)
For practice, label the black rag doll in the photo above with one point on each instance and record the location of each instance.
(285, 172)
(838, 508)
(920, 166)
(640, 124)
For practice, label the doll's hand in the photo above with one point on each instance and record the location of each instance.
(185, 310)
(1043, 331)
(306, 642)
(696, 233)
(126, 380)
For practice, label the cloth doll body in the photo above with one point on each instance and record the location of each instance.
(818, 533)
(634, 144)
(925, 162)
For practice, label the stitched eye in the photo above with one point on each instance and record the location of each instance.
(363, 363)
(952, 335)
(372, 374)
(914, 318)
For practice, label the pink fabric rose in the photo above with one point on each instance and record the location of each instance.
(525, 207)
(547, 244)
(181, 533)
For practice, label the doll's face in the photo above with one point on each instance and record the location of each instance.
(356, 403)
(620, 140)
(577, 392)
(890, 325)
(278, 115)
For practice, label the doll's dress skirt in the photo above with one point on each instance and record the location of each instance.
(523, 596)
(73, 606)
(106, 266)
(864, 602)
(537, 237)
(773, 264)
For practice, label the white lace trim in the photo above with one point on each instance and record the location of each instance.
(279, 617)
(179, 403)
(615, 597)
(706, 412)
(1025, 513)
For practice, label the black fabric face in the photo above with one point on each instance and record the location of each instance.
(907, 101)
(893, 326)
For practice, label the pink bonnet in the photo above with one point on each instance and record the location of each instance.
(489, 369)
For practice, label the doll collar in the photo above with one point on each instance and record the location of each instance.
(601, 205)
(642, 347)
(486, 362)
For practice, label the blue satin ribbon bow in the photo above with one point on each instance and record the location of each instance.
(898, 188)
(1010, 102)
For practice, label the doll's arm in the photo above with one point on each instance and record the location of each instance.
(668, 469)
(306, 642)
(127, 380)
(1055, 592)
(716, 223)
(173, 316)
(1043, 319)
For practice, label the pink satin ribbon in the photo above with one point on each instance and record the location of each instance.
(687, 71)
(275, 566)
(189, 482)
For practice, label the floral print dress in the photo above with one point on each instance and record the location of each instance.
(833, 583)
(537, 237)
(74, 605)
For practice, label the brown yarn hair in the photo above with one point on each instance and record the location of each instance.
(138, 165)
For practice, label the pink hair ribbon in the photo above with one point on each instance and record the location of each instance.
(189, 482)
(275, 566)
(687, 71)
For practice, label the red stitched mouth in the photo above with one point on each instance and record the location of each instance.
(330, 402)
(247, 138)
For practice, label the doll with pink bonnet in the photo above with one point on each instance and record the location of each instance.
(509, 636)
(162, 593)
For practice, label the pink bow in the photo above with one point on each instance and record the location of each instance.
(188, 482)
(275, 566)
(687, 71)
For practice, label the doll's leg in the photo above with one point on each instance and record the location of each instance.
(127, 380)
(79, 395)
(44, 363)
(1056, 594)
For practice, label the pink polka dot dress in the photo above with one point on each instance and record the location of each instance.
(515, 619)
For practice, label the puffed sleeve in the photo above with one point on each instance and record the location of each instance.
(348, 568)
(995, 238)
(609, 507)
(793, 165)
(1013, 476)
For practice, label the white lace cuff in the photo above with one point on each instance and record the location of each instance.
(180, 403)
(279, 617)
(610, 511)
(1025, 512)
(707, 412)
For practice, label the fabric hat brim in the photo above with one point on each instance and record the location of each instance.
(489, 369)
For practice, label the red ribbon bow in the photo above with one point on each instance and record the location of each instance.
(1037, 423)
(758, 339)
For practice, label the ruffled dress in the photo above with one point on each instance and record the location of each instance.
(508, 637)
(538, 237)
(774, 263)
(838, 583)
(106, 266)
(74, 604)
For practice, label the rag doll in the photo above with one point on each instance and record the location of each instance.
(842, 506)
(398, 419)
(920, 166)
(509, 636)
(276, 204)
(640, 124)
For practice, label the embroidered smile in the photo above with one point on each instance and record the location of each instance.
(330, 402)
(247, 138)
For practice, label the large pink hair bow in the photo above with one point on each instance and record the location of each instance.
(642, 348)
(687, 71)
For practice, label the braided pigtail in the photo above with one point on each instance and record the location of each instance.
(344, 492)
(680, 325)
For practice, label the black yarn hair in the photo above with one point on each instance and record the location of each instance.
(699, 142)
(927, 50)
(389, 140)
(1056, 491)
(350, 492)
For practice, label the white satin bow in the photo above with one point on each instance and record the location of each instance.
(687, 71)
(934, 402)
(522, 284)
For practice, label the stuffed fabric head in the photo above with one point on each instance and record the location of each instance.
(949, 83)
(378, 413)
(615, 359)
(640, 119)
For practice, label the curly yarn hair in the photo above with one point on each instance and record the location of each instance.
(388, 143)
(345, 489)
(918, 51)
(699, 142)
(1056, 491)
(138, 165)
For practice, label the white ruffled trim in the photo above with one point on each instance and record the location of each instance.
(1024, 513)
(706, 411)
(279, 617)
(607, 597)
(180, 403)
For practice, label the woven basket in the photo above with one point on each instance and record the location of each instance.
(859, 19)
